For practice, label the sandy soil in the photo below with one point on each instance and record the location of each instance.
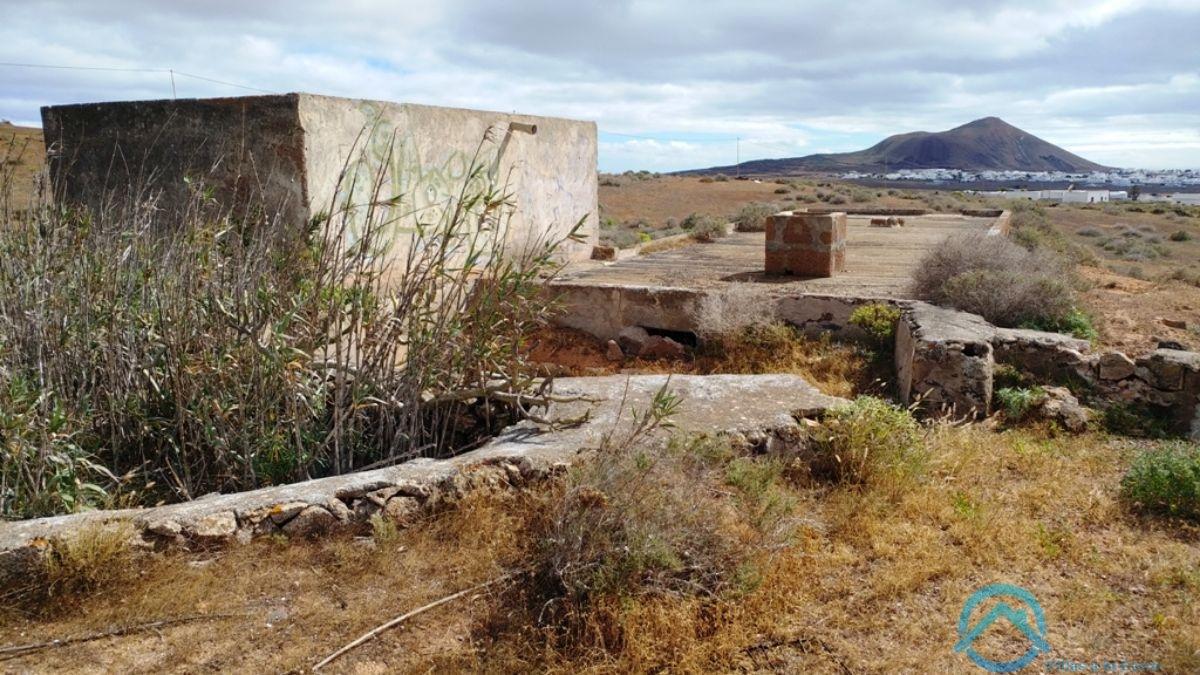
(22, 156)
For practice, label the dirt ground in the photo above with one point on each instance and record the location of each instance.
(658, 199)
(22, 156)
(873, 582)
(1132, 311)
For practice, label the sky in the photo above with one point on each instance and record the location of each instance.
(672, 84)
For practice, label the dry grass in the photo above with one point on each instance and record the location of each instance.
(870, 581)
(838, 369)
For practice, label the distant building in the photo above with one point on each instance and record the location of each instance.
(1061, 196)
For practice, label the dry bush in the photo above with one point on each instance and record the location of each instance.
(640, 524)
(705, 228)
(753, 217)
(733, 308)
(991, 276)
(95, 558)
(150, 355)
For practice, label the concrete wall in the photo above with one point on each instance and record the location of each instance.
(425, 154)
(291, 150)
(102, 154)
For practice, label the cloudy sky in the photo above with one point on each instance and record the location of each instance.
(671, 83)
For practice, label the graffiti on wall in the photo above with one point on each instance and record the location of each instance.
(406, 182)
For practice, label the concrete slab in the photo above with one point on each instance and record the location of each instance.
(665, 290)
(879, 261)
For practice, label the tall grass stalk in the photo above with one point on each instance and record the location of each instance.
(149, 354)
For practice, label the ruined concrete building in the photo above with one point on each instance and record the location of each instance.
(288, 152)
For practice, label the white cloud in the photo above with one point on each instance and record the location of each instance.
(788, 78)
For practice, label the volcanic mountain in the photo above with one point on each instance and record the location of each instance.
(988, 143)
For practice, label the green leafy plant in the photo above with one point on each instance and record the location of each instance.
(869, 441)
(1076, 322)
(1165, 480)
(878, 320)
(1018, 401)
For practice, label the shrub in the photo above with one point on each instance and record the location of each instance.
(782, 190)
(870, 441)
(1180, 235)
(637, 521)
(227, 351)
(1090, 232)
(1166, 480)
(706, 179)
(1017, 402)
(859, 196)
(753, 217)
(1006, 284)
(709, 228)
(721, 178)
(1075, 322)
(878, 319)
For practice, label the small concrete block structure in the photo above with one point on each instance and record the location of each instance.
(806, 244)
(292, 156)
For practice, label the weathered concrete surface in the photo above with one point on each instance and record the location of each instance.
(287, 154)
(663, 290)
(879, 262)
(753, 408)
(944, 360)
(806, 244)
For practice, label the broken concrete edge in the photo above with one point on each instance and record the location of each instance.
(603, 310)
(1002, 226)
(945, 361)
(751, 409)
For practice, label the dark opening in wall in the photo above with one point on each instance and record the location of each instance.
(684, 337)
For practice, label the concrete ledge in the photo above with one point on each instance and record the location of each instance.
(944, 360)
(755, 408)
(1002, 226)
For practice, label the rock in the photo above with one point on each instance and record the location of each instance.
(1169, 368)
(632, 339)
(402, 510)
(169, 529)
(601, 252)
(1171, 344)
(1175, 323)
(1061, 406)
(613, 351)
(312, 520)
(338, 509)
(282, 513)
(217, 528)
(660, 347)
(1115, 366)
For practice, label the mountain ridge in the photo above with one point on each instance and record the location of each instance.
(985, 143)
